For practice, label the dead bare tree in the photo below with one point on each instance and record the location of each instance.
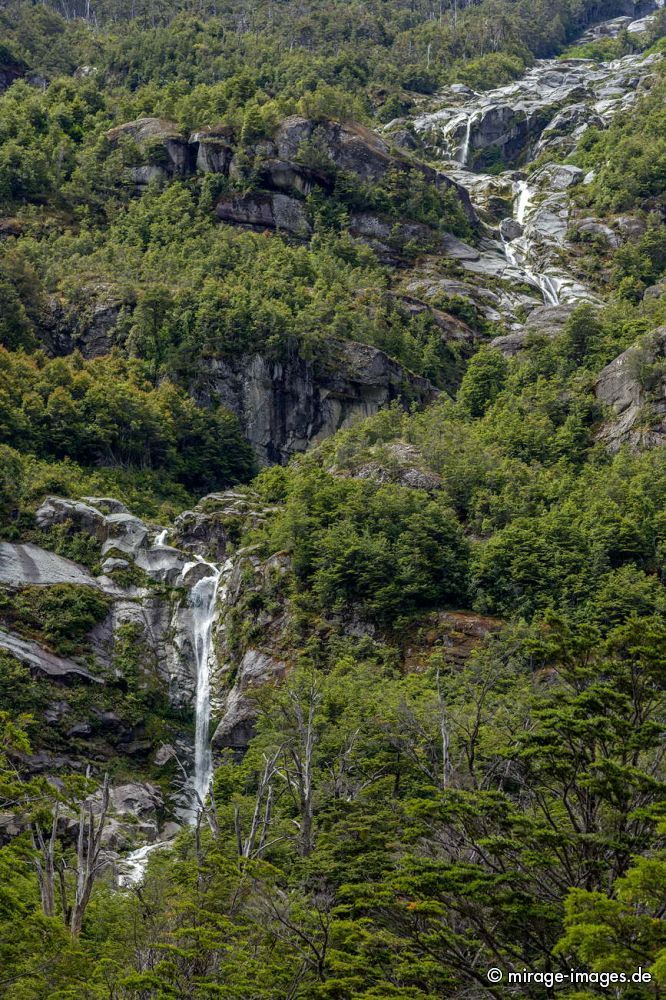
(45, 863)
(299, 757)
(261, 816)
(308, 936)
(90, 859)
(89, 855)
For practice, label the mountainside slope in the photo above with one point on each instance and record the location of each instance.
(332, 479)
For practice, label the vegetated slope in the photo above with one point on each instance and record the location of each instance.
(440, 633)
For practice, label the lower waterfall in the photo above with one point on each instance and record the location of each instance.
(202, 601)
(203, 598)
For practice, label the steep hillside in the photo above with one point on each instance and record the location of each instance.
(332, 491)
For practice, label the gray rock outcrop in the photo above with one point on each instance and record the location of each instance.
(29, 565)
(634, 387)
(265, 211)
(236, 728)
(284, 407)
(280, 164)
(43, 661)
(548, 109)
(169, 153)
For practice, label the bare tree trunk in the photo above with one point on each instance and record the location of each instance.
(88, 852)
(247, 847)
(444, 732)
(303, 760)
(45, 864)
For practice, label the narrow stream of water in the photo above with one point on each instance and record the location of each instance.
(202, 601)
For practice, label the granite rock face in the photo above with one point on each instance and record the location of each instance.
(548, 109)
(43, 661)
(257, 668)
(286, 406)
(265, 211)
(29, 565)
(165, 152)
(634, 387)
(168, 152)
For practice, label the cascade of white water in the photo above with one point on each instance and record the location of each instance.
(161, 538)
(550, 288)
(203, 598)
(464, 149)
(133, 866)
(202, 601)
(524, 198)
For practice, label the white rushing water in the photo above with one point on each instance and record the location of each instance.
(161, 539)
(203, 597)
(134, 865)
(202, 601)
(550, 289)
(524, 197)
(464, 149)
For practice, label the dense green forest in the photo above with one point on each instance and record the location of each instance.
(459, 765)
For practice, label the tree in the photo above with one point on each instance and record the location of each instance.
(483, 381)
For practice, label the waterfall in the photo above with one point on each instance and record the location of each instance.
(202, 602)
(517, 250)
(161, 538)
(550, 288)
(524, 198)
(464, 149)
(203, 597)
(133, 867)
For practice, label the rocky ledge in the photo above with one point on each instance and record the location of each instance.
(282, 164)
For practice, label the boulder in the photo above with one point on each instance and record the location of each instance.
(452, 328)
(164, 754)
(169, 153)
(566, 128)
(404, 138)
(214, 149)
(349, 146)
(549, 320)
(107, 505)
(631, 227)
(58, 510)
(510, 230)
(593, 229)
(455, 248)
(134, 811)
(558, 176)
(26, 565)
(656, 291)
(202, 533)
(634, 387)
(135, 799)
(56, 711)
(236, 727)
(400, 463)
(545, 321)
